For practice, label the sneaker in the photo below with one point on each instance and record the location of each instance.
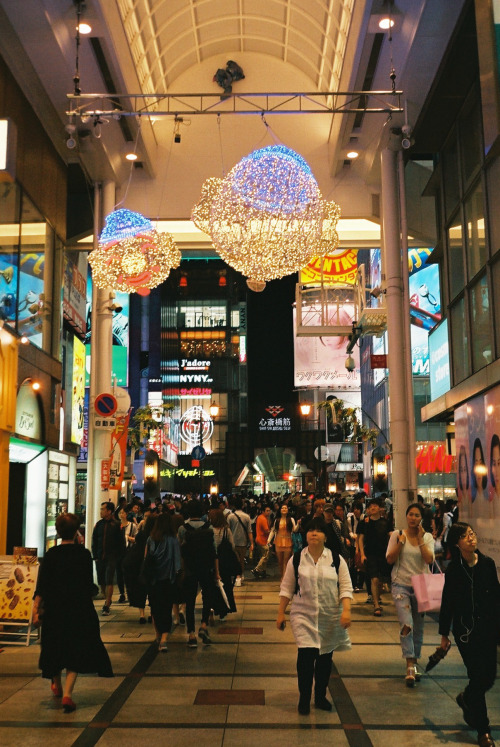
(203, 634)
(105, 610)
(192, 642)
(369, 599)
(121, 599)
(255, 573)
(356, 590)
(162, 648)
(182, 619)
(238, 581)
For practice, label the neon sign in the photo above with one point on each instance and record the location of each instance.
(194, 419)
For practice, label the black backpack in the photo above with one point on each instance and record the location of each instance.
(198, 551)
(296, 562)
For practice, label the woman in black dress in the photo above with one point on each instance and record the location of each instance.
(470, 606)
(71, 637)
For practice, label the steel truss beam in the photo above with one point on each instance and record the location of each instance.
(191, 104)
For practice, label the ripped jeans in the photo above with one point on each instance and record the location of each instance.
(410, 617)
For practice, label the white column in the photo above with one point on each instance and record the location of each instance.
(398, 400)
(100, 369)
(412, 446)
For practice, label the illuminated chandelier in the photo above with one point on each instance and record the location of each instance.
(200, 214)
(267, 218)
(132, 256)
(329, 239)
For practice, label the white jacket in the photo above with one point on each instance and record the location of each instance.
(315, 611)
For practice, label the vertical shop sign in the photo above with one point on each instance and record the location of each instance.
(78, 391)
(118, 451)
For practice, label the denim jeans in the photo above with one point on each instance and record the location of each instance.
(409, 616)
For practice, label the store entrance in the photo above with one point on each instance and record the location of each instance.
(15, 517)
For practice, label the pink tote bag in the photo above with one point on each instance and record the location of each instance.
(428, 588)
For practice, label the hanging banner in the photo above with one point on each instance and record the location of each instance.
(118, 451)
(339, 268)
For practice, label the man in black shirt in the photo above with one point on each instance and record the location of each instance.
(373, 539)
(107, 548)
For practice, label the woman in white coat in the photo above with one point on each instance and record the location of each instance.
(320, 613)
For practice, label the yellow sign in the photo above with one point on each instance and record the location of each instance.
(336, 269)
(185, 472)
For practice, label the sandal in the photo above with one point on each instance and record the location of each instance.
(410, 677)
(377, 612)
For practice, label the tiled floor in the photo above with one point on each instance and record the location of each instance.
(242, 690)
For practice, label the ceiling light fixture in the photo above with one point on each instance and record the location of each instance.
(84, 28)
(386, 23)
(352, 154)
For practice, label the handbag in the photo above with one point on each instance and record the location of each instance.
(147, 573)
(229, 563)
(428, 589)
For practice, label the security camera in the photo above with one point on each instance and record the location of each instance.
(350, 363)
(116, 308)
(71, 143)
(406, 143)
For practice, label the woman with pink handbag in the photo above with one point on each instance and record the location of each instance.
(410, 550)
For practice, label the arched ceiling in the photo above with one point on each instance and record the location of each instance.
(167, 37)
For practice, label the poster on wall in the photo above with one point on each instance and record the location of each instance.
(78, 391)
(75, 289)
(477, 437)
(320, 362)
(30, 301)
(8, 284)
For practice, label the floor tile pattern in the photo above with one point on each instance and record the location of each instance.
(242, 690)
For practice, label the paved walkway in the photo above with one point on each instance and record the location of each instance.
(240, 691)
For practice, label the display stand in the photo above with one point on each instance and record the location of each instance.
(18, 577)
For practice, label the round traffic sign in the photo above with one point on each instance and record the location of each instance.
(105, 404)
(198, 453)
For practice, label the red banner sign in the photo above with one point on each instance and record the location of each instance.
(378, 361)
(432, 457)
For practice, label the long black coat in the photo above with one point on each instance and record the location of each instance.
(70, 627)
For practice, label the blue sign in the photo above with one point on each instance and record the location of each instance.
(198, 453)
(439, 358)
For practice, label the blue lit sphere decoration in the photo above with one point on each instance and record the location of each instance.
(266, 219)
(122, 224)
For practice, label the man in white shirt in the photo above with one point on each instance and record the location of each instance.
(241, 527)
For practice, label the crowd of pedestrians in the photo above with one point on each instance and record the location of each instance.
(326, 551)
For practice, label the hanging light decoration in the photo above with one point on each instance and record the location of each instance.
(200, 214)
(132, 256)
(329, 240)
(267, 218)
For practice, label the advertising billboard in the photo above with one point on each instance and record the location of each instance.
(78, 391)
(439, 360)
(425, 306)
(337, 268)
(477, 439)
(120, 336)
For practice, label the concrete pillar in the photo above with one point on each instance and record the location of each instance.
(398, 399)
(100, 369)
(412, 445)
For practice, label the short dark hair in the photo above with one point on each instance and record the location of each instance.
(194, 509)
(110, 506)
(455, 533)
(318, 524)
(67, 526)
